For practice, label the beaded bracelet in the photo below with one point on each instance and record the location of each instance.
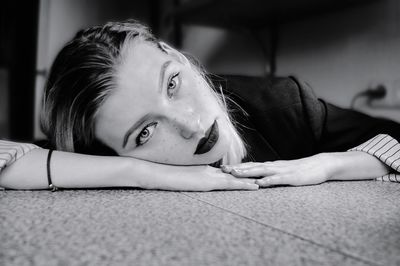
(51, 186)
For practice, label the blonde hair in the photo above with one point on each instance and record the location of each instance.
(237, 150)
(81, 78)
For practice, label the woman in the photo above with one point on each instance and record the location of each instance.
(116, 90)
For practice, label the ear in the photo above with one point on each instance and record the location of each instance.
(173, 52)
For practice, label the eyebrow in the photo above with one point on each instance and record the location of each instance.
(136, 125)
(162, 74)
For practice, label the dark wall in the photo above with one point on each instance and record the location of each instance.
(18, 31)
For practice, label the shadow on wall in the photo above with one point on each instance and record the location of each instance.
(346, 53)
(224, 51)
(338, 53)
(239, 51)
(333, 29)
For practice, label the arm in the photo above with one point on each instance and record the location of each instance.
(387, 150)
(316, 169)
(71, 170)
(68, 170)
(335, 130)
(353, 165)
(378, 157)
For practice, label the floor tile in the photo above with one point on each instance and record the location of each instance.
(137, 227)
(361, 218)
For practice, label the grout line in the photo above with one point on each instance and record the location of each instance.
(284, 232)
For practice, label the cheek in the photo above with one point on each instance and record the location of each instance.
(200, 95)
(193, 82)
(164, 147)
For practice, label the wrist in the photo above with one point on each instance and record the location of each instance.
(132, 172)
(331, 164)
(353, 165)
(148, 175)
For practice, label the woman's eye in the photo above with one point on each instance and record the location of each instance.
(146, 134)
(173, 84)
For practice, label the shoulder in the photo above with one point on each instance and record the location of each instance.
(271, 92)
(277, 109)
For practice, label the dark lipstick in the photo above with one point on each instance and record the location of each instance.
(208, 142)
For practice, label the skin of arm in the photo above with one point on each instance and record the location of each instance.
(71, 170)
(316, 169)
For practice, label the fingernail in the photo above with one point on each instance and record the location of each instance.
(226, 167)
(238, 171)
(255, 186)
(262, 182)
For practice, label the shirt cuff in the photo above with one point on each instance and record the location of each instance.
(387, 150)
(12, 151)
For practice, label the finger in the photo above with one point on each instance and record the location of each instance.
(242, 185)
(226, 168)
(230, 177)
(259, 170)
(272, 181)
(246, 166)
(229, 168)
(247, 180)
(232, 183)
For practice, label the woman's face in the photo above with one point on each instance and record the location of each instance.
(162, 110)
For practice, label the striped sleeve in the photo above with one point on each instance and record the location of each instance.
(12, 151)
(387, 150)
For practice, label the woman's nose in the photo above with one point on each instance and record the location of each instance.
(189, 124)
(190, 127)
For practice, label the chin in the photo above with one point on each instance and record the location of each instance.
(220, 153)
(216, 154)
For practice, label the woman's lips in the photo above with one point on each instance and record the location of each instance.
(208, 142)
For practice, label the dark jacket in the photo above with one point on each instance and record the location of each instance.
(287, 121)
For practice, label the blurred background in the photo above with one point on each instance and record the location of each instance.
(347, 50)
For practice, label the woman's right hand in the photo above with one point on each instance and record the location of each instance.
(193, 178)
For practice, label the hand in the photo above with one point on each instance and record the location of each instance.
(307, 171)
(194, 178)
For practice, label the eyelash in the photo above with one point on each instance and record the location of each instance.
(138, 141)
(173, 76)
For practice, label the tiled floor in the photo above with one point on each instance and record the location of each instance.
(338, 223)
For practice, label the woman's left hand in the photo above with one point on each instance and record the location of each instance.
(306, 171)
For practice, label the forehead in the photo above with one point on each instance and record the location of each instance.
(139, 60)
(136, 85)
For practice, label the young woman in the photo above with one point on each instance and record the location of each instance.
(117, 90)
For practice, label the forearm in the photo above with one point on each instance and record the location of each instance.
(71, 170)
(353, 165)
